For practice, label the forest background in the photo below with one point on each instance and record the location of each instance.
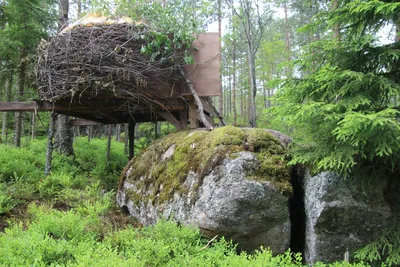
(324, 72)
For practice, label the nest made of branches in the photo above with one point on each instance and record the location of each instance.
(89, 61)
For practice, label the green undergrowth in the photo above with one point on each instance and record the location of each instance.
(79, 237)
(70, 218)
(71, 180)
(201, 152)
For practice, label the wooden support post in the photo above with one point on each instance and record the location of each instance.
(49, 152)
(183, 120)
(193, 121)
(209, 119)
(131, 133)
(170, 118)
(83, 122)
(221, 119)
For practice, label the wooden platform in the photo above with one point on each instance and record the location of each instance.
(181, 114)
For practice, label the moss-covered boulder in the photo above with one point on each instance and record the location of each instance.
(230, 182)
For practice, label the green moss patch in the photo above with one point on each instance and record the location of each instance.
(201, 152)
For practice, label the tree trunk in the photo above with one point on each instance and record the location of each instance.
(242, 98)
(287, 39)
(8, 87)
(64, 128)
(221, 104)
(49, 152)
(234, 76)
(131, 137)
(157, 130)
(64, 136)
(79, 7)
(336, 30)
(253, 87)
(33, 126)
(108, 153)
(126, 143)
(118, 133)
(264, 94)
(89, 133)
(63, 10)
(21, 87)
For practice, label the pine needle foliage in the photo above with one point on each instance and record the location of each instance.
(344, 107)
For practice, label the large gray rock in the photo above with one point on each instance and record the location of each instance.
(343, 215)
(227, 201)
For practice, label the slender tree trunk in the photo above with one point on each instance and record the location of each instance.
(287, 39)
(252, 71)
(242, 98)
(264, 94)
(126, 140)
(21, 87)
(79, 7)
(89, 133)
(8, 87)
(228, 97)
(397, 39)
(336, 30)
(118, 133)
(253, 87)
(108, 153)
(33, 126)
(234, 78)
(220, 56)
(49, 152)
(77, 131)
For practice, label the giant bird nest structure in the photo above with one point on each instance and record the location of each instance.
(107, 61)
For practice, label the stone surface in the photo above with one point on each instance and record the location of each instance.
(341, 215)
(226, 200)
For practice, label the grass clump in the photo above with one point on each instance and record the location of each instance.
(200, 151)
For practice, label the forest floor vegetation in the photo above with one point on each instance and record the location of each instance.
(70, 218)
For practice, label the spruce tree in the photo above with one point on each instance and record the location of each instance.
(344, 108)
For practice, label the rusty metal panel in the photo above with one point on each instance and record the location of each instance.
(205, 72)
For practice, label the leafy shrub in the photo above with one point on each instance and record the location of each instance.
(20, 163)
(53, 184)
(91, 158)
(69, 239)
(6, 202)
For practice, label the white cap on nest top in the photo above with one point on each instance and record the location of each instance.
(93, 19)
